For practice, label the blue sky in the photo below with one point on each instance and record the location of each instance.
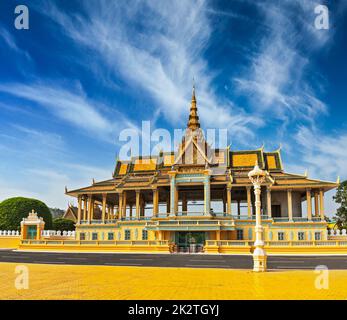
(85, 70)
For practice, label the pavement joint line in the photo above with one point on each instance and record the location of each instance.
(292, 267)
(135, 259)
(49, 262)
(122, 264)
(71, 258)
(279, 261)
(205, 265)
(193, 260)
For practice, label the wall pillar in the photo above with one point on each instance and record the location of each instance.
(321, 204)
(290, 205)
(103, 207)
(249, 207)
(229, 200)
(268, 202)
(309, 204)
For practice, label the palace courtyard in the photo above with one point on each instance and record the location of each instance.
(125, 282)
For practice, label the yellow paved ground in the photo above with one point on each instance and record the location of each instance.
(107, 282)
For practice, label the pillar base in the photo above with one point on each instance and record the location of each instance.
(259, 260)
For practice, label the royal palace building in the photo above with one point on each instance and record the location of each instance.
(200, 199)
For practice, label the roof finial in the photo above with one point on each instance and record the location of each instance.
(193, 122)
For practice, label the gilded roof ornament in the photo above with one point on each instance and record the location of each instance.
(193, 122)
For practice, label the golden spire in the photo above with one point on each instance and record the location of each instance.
(193, 122)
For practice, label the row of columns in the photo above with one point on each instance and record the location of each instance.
(86, 203)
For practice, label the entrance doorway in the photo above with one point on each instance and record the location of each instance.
(31, 232)
(190, 242)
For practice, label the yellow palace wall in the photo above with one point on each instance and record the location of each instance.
(271, 230)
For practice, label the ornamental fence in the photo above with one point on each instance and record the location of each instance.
(337, 232)
(44, 233)
(9, 233)
(54, 233)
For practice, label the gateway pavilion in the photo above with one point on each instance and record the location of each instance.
(198, 199)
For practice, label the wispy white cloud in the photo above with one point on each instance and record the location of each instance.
(40, 164)
(277, 78)
(72, 106)
(11, 42)
(158, 48)
(323, 154)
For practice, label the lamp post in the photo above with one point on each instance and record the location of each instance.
(257, 177)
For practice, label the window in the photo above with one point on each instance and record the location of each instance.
(94, 236)
(280, 236)
(239, 234)
(317, 236)
(110, 236)
(82, 236)
(127, 235)
(144, 235)
(301, 235)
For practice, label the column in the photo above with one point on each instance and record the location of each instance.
(176, 200)
(229, 200)
(316, 204)
(290, 205)
(79, 209)
(124, 204)
(249, 209)
(217, 235)
(173, 192)
(321, 204)
(138, 204)
(168, 204)
(309, 204)
(207, 195)
(92, 209)
(155, 202)
(108, 213)
(120, 205)
(85, 207)
(268, 202)
(90, 205)
(130, 210)
(103, 207)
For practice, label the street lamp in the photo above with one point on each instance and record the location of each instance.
(257, 177)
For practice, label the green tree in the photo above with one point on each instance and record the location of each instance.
(13, 210)
(341, 199)
(63, 224)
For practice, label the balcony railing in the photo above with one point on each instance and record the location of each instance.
(200, 214)
(299, 243)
